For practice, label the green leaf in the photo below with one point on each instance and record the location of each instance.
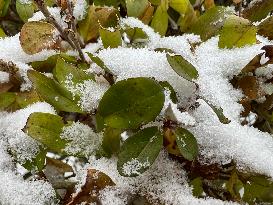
(168, 86)
(99, 62)
(237, 32)
(185, 9)
(2, 33)
(258, 10)
(160, 20)
(110, 38)
(63, 70)
(53, 93)
(136, 8)
(38, 162)
(4, 6)
(219, 112)
(6, 99)
(24, 10)
(210, 23)
(132, 102)
(114, 3)
(265, 28)
(197, 187)
(187, 143)
(46, 128)
(182, 67)
(45, 65)
(139, 152)
(136, 35)
(96, 17)
(111, 140)
(36, 36)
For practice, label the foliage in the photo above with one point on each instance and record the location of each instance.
(136, 106)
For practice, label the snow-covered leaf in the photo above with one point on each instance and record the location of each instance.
(63, 70)
(38, 162)
(187, 143)
(53, 93)
(139, 152)
(132, 102)
(182, 67)
(36, 36)
(237, 32)
(46, 128)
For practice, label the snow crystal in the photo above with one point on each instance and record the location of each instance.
(79, 10)
(134, 166)
(11, 125)
(4, 77)
(90, 92)
(83, 140)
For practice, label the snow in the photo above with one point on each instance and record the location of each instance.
(165, 181)
(4, 77)
(79, 10)
(11, 125)
(82, 139)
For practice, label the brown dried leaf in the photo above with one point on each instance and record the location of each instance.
(250, 87)
(148, 14)
(95, 181)
(36, 36)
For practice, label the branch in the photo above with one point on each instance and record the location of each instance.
(65, 34)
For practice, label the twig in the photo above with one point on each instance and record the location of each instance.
(65, 34)
(73, 23)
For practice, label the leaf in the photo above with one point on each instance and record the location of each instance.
(96, 17)
(36, 36)
(132, 102)
(237, 32)
(168, 86)
(234, 185)
(45, 65)
(219, 112)
(139, 152)
(110, 38)
(136, 8)
(38, 162)
(94, 183)
(6, 99)
(23, 99)
(109, 3)
(185, 9)
(99, 62)
(63, 70)
(160, 20)
(4, 6)
(210, 23)
(257, 10)
(136, 35)
(111, 140)
(2, 33)
(187, 143)
(24, 10)
(53, 93)
(182, 67)
(265, 28)
(250, 86)
(197, 187)
(46, 129)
